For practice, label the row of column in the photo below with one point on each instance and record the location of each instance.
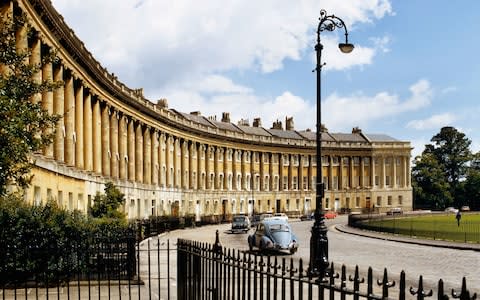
(96, 137)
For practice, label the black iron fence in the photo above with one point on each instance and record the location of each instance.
(207, 271)
(210, 271)
(36, 270)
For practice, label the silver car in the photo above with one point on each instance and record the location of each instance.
(240, 224)
(273, 234)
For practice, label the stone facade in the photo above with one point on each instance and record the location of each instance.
(173, 163)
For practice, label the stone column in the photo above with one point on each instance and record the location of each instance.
(184, 165)
(290, 172)
(176, 162)
(208, 184)
(226, 174)
(330, 173)
(161, 160)
(88, 132)
(341, 184)
(155, 165)
(262, 173)
(123, 150)
(35, 60)
(311, 182)
(234, 170)
(131, 150)
(191, 165)
(21, 41)
(47, 104)
(106, 151)
(362, 172)
(394, 171)
(382, 177)
(147, 153)
(114, 158)
(408, 172)
(270, 171)
(280, 173)
(244, 170)
(69, 121)
(351, 171)
(97, 137)
(79, 125)
(58, 108)
(216, 169)
(169, 153)
(139, 153)
(199, 167)
(300, 172)
(372, 171)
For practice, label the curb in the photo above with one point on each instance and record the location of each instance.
(408, 240)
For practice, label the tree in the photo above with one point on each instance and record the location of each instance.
(471, 186)
(25, 127)
(430, 187)
(442, 171)
(452, 150)
(108, 204)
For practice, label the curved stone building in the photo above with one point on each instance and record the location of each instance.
(168, 162)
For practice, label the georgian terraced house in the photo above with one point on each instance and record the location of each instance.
(168, 162)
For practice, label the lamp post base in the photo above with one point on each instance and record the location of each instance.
(318, 249)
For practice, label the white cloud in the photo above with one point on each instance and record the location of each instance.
(382, 43)
(345, 112)
(152, 44)
(334, 59)
(433, 122)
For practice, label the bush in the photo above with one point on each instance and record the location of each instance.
(46, 243)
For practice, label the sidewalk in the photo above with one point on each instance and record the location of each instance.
(405, 239)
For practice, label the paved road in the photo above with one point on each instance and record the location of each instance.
(431, 262)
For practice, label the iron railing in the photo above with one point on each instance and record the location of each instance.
(206, 271)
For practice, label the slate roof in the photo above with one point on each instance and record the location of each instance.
(254, 130)
(225, 125)
(199, 119)
(286, 134)
(312, 136)
(349, 137)
(380, 138)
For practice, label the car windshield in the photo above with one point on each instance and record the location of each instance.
(238, 219)
(279, 227)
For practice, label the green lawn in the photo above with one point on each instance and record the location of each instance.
(441, 227)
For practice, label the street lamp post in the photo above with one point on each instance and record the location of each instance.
(319, 241)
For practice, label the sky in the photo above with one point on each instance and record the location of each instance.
(414, 68)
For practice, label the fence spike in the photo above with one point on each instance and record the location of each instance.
(420, 292)
(402, 288)
(464, 294)
(385, 284)
(343, 283)
(292, 270)
(217, 247)
(300, 268)
(370, 281)
(356, 280)
(441, 291)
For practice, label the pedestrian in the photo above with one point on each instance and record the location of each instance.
(458, 217)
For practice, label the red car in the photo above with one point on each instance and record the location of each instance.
(330, 215)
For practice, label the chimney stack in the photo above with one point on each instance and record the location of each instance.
(289, 123)
(257, 122)
(226, 117)
(277, 125)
